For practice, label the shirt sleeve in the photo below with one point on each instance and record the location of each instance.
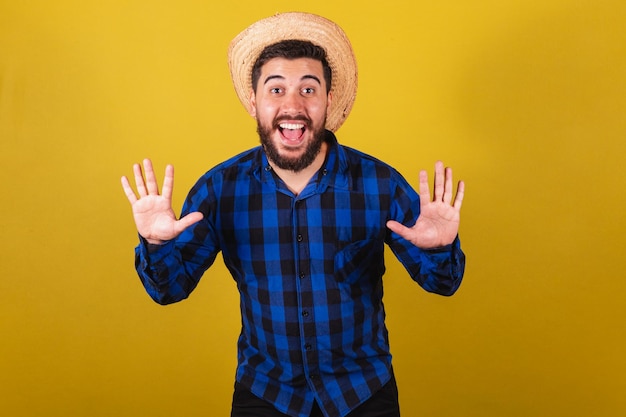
(171, 271)
(438, 270)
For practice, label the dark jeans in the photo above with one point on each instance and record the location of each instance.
(383, 403)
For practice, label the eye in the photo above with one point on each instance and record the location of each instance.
(275, 90)
(308, 90)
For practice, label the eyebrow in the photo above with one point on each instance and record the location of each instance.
(304, 77)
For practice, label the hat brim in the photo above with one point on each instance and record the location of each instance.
(245, 48)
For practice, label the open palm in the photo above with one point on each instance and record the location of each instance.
(438, 222)
(154, 217)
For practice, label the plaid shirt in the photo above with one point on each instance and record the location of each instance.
(309, 271)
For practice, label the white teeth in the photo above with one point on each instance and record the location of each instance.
(291, 126)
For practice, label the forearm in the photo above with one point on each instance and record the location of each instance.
(439, 271)
(165, 271)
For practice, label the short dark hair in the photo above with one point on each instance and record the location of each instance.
(292, 49)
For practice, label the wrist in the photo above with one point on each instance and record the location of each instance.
(151, 241)
(155, 242)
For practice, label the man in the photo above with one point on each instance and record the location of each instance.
(301, 222)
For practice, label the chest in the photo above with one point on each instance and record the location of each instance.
(274, 218)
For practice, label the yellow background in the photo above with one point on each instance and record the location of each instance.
(525, 99)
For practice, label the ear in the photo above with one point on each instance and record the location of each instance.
(329, 100)
(252, 102)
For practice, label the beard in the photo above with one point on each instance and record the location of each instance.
(291, 163)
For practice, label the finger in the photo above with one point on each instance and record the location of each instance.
(399, 229)
(151, 181)
(424, 188)
(168, 182)
(439, 181)
(139, 182)
(128, 190)
(460, 193)
(447, 192)
(189, 220)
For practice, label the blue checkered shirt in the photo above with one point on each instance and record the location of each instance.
(309, 271)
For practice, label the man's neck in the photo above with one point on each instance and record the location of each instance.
(296, 181)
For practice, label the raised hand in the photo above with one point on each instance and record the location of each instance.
(438, 222)
(154, 217)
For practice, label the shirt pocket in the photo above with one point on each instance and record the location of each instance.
(358, 260)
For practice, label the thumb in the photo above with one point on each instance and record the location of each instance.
(189, 219)
(399, 229)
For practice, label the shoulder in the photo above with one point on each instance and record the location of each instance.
(357, 161)
(237, 168)
(233, 168)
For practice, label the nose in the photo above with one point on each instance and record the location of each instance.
(293, 103)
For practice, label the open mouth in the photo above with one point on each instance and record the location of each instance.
(292, 132)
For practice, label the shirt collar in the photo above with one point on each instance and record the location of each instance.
(333, 173)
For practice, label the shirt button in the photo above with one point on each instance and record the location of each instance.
(307, 346)
(299, 238)
(305, 313)
(302, 275)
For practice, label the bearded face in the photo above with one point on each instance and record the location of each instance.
(290, 105)
(291, 159)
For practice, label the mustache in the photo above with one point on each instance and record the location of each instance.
(278, 120)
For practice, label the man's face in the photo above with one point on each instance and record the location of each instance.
(290, 105)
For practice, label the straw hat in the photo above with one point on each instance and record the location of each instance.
(246, 47)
